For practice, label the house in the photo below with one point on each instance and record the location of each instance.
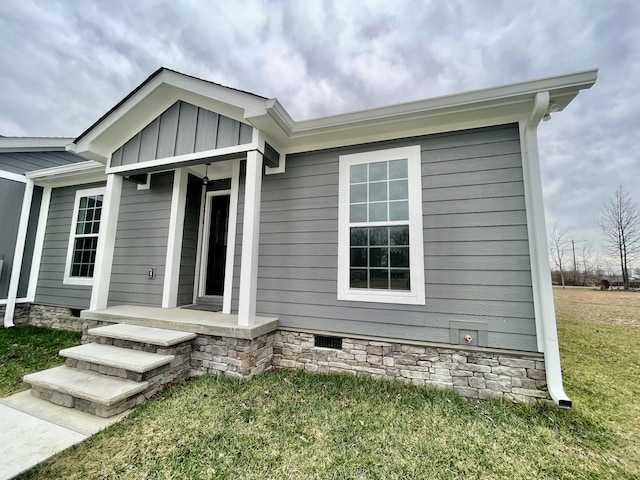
(406, 241)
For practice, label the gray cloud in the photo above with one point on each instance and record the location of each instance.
(64, 66)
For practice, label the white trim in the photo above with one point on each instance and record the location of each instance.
(250, 238)
(231, 237)
(18, 300)
(181, 159)
(67, 278)
(146, 185)
(39, 243)
(174, 242)
(416, 296)
(281, 168)
(72, 168)
(206, 237)
(546, 328)
(199, 245)
(106, 243)
(16, 177)
(33, 144)
(18, 254)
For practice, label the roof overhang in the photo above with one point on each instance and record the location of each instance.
(34, 144)
(72, 174)
(491, 106)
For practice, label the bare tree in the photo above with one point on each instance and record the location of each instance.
(620, 224)
(559, 242)
(587, 261)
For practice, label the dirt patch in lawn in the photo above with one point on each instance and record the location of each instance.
(590, 305)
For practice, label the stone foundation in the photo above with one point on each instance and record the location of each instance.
(50, 316)
(235, 357)
(20, 315)
(473, 374)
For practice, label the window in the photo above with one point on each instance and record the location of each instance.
(380, 254)
(83, 239)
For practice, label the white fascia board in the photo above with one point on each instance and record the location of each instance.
(34, 144)
(16, 177)
(72, 174)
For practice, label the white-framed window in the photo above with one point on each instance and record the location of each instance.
(380, 251)
(83, 237)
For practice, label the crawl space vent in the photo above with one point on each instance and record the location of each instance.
(328, 342)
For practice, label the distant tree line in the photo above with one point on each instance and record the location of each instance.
(574, 262)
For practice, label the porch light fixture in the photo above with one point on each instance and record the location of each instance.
(205, 179)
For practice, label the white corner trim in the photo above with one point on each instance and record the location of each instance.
(67, 278)
(106, 243)
(250, 240)
(281, 168)
(200, 245)
(416, 296)
(18, 254)
(39, 243)
(231, 237)
(174, 242)
(16, 177)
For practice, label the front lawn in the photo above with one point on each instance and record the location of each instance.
(288, 424)
(27, 349)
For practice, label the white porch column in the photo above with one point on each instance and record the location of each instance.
(250, 240)
(106, 242)
(18, 253)
(39, 244)
(174, 243)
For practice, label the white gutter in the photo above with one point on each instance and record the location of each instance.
(546, 330)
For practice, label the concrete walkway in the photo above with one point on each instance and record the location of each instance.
(32, 430)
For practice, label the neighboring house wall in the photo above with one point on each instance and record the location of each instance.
(189, 241)
(21, 162)
(476, 254)
(183, 128)
(51, 290)
(141, 243)
(11, 194)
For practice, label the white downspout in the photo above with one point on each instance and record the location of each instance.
(18, 254)
(547, 333)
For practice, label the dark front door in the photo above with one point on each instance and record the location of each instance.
(217, 250)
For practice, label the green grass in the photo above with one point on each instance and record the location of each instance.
(289, 424)
(26, 349)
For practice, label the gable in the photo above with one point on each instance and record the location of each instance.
(182, 129)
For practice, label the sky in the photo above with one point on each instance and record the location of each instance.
(65, 63)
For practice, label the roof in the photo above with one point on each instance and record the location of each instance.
(24, 162)
(490, 106)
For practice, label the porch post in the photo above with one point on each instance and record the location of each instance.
(174, 242)
(106, 242)
(250, 240)
(18, 254)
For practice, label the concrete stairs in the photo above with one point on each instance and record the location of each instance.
(121, 367)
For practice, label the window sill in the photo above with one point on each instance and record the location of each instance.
(87, 282)
(382, 296)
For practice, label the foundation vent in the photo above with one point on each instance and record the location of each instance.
(328, 342)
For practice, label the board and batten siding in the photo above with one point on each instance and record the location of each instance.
(181, 129)
(141, 243)
(50, 289)
(189, 250)
(476, 253)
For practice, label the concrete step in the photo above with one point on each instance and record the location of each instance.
(140, 334)
(116, 357)
(88, 391)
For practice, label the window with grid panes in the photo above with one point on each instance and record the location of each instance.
(382, 190)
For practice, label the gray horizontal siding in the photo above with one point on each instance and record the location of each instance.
(50, 289)
(10, 195)
(477, 265)
(22, 162)
(141, 243)
(181, 129)
(189, 241)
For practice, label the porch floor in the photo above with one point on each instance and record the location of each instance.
(185, 320)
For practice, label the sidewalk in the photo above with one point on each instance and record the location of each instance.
(32, 430)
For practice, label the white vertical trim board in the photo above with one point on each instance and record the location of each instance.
(174, 242)
(199, 245)
(231, 237)
(106, 243)
(250, 239)
(67, 278)
(18, 254)
(39, 244)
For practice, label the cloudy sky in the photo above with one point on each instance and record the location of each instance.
(64, 64)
